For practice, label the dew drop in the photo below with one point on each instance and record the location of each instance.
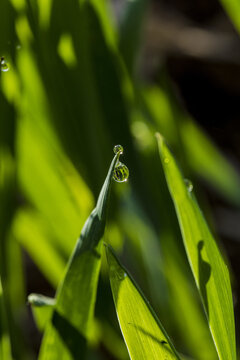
(120, 173)
(120, 275)
(166, 160)
(118, 149)
(189, 185)
(4, 65)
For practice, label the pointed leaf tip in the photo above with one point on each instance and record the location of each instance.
(143, 333)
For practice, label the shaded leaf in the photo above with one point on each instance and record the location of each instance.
(5, 346)
(67, 333)
(131, 29)
(207, 161)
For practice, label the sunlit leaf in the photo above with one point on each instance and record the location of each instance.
(32, 232)
(184, 306)
(41, 155)
(143, 333)
(42, 308)
(208, 267)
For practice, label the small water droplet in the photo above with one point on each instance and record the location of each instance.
(166, 160)
(4, 65)
(118, 149)
(120, 173)
(120, 274)
(189, 185)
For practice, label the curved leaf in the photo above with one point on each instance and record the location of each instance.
(208, 267)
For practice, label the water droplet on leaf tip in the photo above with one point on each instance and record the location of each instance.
(120, 173)
(118, 149)
(189, 185)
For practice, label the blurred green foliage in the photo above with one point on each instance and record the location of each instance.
(72, 92)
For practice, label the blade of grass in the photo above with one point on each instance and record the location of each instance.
(131, 29)
(62, 184)
(143, 333)
(184, 304)
(208, 267)
(207, 161)
(5, 346)
(68, 331)
(200, 153)
(42, 309)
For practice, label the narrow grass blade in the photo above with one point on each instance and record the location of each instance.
(208, 267)
(51, 170)
(143, 333)
(67, 333)
(208, 162)
(184, 305)
(200, 153)
(42, 309)
(131, 29)
(5, 346)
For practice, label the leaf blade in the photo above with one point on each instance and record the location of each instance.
(208, 267)
(66, 335)
(144, 335)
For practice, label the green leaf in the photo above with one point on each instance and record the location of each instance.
(42, 309)
(232, 7)
(208, 267)
(207, 161)
(131, 30)
(143, 333)
(51, 170)
(184, 304)
(5, 347)
(68, 331)
(200, 153)
(31, 231)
